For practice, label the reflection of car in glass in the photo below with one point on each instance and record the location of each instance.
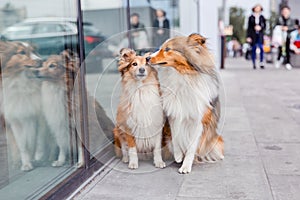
(53, 35)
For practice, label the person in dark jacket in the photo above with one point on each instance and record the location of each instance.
(287, 26)
(255, 33)
(161, 28)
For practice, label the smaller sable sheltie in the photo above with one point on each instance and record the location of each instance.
(57, 74)
(140, 118)
(61, 107)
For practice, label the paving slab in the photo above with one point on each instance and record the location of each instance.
(285, 187)
(281, 158)
(237, 177)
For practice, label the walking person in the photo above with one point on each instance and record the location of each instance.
(287, 25)
(161, 28)
(255, 34)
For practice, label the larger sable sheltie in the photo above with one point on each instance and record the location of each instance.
(21, 101)
(140, 114)
(189, 85)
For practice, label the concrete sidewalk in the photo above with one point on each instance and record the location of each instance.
(262, 147)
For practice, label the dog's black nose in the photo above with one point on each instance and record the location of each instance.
(39, 62)
(141, 70)
(148, 59)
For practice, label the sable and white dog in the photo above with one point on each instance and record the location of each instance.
(21, 101)
(58, 75)
(189, 85)
(139, 120)
(61, 107)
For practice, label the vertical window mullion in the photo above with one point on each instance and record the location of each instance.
(82, 88)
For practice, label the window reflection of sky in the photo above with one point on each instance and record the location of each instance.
(52, 8)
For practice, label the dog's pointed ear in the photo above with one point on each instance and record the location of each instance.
(69, 55)
(195, 37)
(147, 54)
(126, 56)
(71, 59)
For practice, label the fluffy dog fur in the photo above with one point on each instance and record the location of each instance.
(140, 115)
(57, 76)
(189, 85)
(21, 101)
(60, 103)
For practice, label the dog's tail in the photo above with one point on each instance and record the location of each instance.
(211, 146)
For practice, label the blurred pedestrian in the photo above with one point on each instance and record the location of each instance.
(236, 46)
(287, 25)
(138, 33)
(255, 34)
(161, 28)
(229, 46)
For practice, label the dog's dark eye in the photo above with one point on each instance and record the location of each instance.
(52, 66)
(134, 64)
(22, 52)
(167, 49)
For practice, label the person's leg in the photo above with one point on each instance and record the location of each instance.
(261, 48)
(279, 53)
(253, 55)
(287, 49)
(278, 62)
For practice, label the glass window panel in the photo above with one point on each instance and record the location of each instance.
(39, 143)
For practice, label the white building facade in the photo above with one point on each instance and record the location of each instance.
(201, 16)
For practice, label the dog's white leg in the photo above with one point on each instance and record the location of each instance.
(175, 130)
(195, 134)
(41, 139)
(133, 158)
(80, 162)
(124, 148)
(20, 131)
(158, 162)
(178, 154)
(62, 140)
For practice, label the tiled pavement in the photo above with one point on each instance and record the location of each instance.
(262, 147)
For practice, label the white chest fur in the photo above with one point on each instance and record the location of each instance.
(21, 97)
(186, 96)
(55, 105)
(145, 114)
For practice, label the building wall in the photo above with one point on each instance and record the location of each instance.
(295, 8)
(207, 25)
(10, 15)
(113, 21)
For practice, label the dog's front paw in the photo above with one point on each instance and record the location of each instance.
(185, 169)
(133, 165)
(27, 167)
(57, 163)
(80, 164)
(178, 157)
(38, 156)
(160, 164)
(125, 159)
